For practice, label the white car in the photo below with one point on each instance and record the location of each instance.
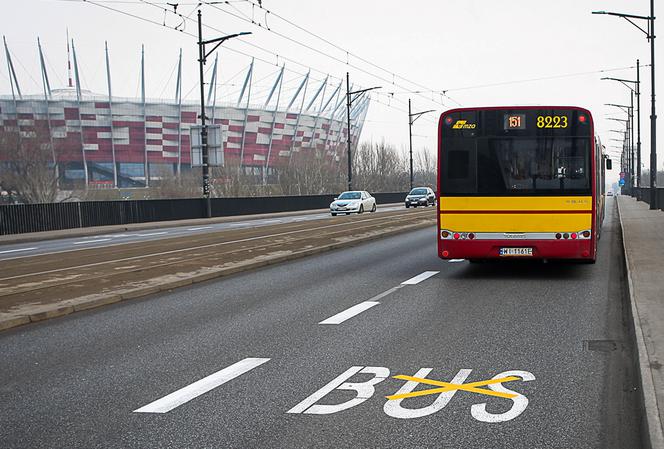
(356, 201)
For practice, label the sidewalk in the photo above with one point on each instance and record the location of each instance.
(643, 240)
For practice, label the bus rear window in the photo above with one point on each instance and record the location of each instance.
(517, 166)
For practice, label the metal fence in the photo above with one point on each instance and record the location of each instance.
(23, 218)
(644, 194)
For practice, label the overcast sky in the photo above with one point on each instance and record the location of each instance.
(480, 52)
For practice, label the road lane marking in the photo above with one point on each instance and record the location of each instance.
(151, 234)
(17, 250)
(192, 391)
(200, 228)
(91, 241)
(456, 260)
(350, 312)
(175, 251)
(420, 277)
(447, 386)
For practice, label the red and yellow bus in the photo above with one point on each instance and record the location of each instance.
(519, 182)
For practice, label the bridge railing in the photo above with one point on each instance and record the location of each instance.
(644, 194)
(23, 218)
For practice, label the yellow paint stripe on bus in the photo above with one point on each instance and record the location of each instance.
(496, 222)
(534, 203)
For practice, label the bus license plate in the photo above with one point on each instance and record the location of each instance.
(518, 252)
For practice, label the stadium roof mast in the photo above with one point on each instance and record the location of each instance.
(69, 62)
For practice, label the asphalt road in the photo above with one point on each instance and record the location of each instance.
(253, 347)
(15, 251)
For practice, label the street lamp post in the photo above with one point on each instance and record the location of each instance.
(630, 137)
(412, 116)
(650, 35)
(626, 149)
(633, 91)
(349, 102)
(202, 57)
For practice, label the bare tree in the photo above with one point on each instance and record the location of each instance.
(378, 167)
(27, 164)
(425, 168)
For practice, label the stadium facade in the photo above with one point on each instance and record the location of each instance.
(103, 141)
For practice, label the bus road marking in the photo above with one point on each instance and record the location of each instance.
(447, 386)
(350, 312)
(420, 277)
(192, 391)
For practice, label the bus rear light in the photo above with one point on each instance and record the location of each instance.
(574, 235)
(446, 253)
(471, 236)
(559, 236)
(582, 119)
(456, 236)
(566, 235)
(444, 234)
(585, 253)
(585, 234)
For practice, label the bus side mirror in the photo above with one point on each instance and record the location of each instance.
(608, 164)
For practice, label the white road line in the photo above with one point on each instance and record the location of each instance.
(456, 260)
(17, 250)
(199, 229)
(420, 277)
(151, 233)
(91, 241)
(350, 313)
(192, 391)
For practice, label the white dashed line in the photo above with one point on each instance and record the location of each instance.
(199, 229)
(16, 250)
(456, 260)
(420, 277)
(192, 391)
(151, 234)
(91, 241)
(350, 313)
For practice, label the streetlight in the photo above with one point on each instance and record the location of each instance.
(412, 116)
(650, 35)
(627, 156)
(202, 57)
(349, 102)
(630, 115)
(638, 114)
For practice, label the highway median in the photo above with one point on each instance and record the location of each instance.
(52, 285)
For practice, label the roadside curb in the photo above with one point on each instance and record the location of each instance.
(69, 306)
(652, 426)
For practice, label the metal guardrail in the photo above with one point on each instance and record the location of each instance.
(24, 218)
(644, 194)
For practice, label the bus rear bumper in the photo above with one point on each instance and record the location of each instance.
(540, 249)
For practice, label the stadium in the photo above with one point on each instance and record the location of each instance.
(98, 140)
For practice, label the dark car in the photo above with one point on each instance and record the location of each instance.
(421, 196)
